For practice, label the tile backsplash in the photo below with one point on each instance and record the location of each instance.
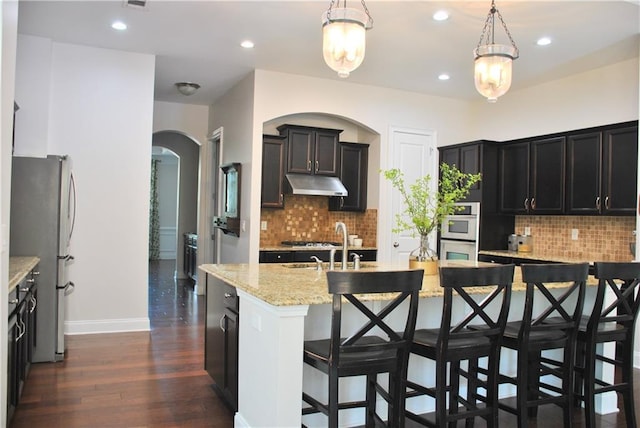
(600, 238)
(307, 218)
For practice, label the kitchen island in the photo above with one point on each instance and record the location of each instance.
(281, 306)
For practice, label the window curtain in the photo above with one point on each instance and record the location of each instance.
(154, 217)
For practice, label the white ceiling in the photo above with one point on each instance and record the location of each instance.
(199, 41)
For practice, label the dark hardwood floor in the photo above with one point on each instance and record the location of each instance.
(145, 379)
(156, 379)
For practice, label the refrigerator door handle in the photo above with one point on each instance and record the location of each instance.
(69, 287)
(72, 194)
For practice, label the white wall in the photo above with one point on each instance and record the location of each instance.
(234, 112)
(596, 97)
(100, 110)
(187, 118)
(8, 35)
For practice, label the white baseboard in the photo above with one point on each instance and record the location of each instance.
(107, 326)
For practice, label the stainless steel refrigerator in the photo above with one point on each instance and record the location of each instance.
(42, 219)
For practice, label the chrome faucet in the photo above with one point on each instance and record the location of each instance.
(332, 257)
(341, 227)
(356, 260)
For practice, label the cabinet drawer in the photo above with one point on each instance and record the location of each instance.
(275, 257)
(230, 295)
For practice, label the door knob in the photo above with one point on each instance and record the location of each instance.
(396, 244)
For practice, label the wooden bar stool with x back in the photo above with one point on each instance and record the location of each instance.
(474, 334)
(556, 292)
(612, 320)
(372, 349)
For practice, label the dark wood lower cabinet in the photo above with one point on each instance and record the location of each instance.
(221, 339)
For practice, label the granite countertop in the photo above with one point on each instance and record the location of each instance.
(19, 267)
(293, 284)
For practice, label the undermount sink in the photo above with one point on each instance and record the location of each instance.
(325, 265)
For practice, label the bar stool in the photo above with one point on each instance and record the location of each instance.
(373, 348)
(475, 335)
(554, 327)
(610, 322)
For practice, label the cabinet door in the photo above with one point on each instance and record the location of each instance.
(12, 367)
(547, 176)
(353, 174)
(273, 157)
(300, 151)
(326, 153)
(450, 156)
(231, 357)
(584, 158)
(514, 178)
(470, 162)
(619, 171)
(214, 335)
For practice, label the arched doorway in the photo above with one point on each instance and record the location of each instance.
(187, 152)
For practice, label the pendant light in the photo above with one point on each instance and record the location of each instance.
(343, 36)
(493, 62)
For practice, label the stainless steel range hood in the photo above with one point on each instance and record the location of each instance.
(318, 185)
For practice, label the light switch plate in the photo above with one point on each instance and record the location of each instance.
(527, 231)
(263, 225)
(574, 234)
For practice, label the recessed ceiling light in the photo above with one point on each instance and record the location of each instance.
(247, 44)
(441, 15)
(444, 76)
(119, 25)
(543, 41)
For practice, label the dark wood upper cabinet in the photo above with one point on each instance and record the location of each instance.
(547, 169)
(311, 150)
(353, 174)
(273, 159)
(602, 169)
(620, 170)
(514, 178)
(532, 176)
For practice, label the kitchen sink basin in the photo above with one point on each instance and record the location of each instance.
(325, 265)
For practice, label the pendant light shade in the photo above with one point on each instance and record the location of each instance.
(344, 37)
(493, 62)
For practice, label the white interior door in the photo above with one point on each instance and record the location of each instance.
(415, 154)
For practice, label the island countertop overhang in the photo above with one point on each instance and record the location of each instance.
(286, 285)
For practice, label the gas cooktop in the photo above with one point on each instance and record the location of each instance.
(310, 244)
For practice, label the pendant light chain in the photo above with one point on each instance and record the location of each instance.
(490, 31)
(368, 24)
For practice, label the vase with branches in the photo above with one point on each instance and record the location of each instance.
(425, 208)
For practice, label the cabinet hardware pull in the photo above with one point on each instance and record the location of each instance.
(533, 203)
(308, 165)
(14, 302)
(317, 166)
(24, 289)
(598, 203)
(222, 323)
(35, 273)
(526, 204)
(341, 202)
(396, 244)
(31, 281)
(606, 203)
(227, 295)
(280, 197)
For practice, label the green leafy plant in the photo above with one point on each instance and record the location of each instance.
(425, 210)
